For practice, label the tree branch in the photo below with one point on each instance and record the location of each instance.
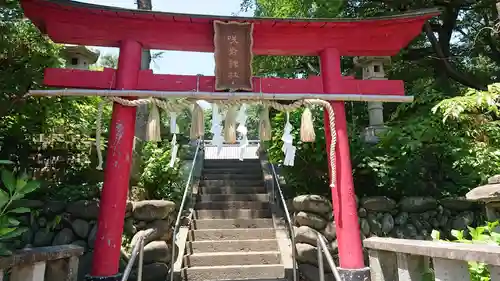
(447, 66)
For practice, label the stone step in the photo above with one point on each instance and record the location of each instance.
(229, 182)
(234, 272)
(232, 223)
(233, 170)
(261, 279)
(231, 234)
(232, 189)
(233, 214)
(231, 163)
(255, 245)
(260, 197)
(231, 205)
(236, 258)
(232, 177)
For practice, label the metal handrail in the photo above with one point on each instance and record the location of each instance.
(138, 249)
(288, 218)
(322, 248)
(187, 191)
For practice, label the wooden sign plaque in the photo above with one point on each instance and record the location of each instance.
(233, 55)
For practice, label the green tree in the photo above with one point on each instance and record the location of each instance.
(419, 154)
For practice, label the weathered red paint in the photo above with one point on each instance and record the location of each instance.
(343, 196)
(117, 171)
(57, 77)
(85, 24)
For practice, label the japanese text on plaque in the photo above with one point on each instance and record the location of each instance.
(233, 56)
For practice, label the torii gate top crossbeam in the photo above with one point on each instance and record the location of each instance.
(95, 25)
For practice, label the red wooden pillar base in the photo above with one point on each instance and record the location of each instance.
(343, 196)
(113, 201)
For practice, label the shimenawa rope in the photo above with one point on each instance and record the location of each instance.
(180, 104)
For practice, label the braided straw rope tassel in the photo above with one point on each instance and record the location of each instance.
(170, 106)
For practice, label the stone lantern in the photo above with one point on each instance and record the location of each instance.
(373, 69)
(79, 57)
(490, 195)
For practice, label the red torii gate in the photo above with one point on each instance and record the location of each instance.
(131, 30)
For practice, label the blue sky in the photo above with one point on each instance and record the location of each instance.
(187, 63)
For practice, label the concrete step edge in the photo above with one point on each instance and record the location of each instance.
(219, 167)
(251, 204)
(232, 223)
(236, 229)
(233, 214)
(234, 266)
(232, 241)
(235, 210)
(234, 272)
(233, 220)
(221, 197)
(253, 253)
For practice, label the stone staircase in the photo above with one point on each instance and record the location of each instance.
(233, 235)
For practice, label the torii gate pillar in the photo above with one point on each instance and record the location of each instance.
(344, 200)
(106, 257)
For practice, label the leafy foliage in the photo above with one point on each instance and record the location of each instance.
(158, 179)
(309, 173)
(50, 137)
(12, 189)
(486, 234)
(442, 144)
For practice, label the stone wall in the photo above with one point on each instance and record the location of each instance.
(59, 223)
(410, 218)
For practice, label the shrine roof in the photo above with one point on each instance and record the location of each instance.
(79, 23)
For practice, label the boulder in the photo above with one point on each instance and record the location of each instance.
(42, 221)
(443, 221)
(311, 272)
(418, 204)
(157, 251)
(312, 203)
(81, 243)
(401, 218)
(362, 212)
(81, 228)
(399, 232)
(365, 227)
(463, 220)
(84, 209)
(92, 236)
(152, 210)
(151, 272)
(330, 231)
(32, 204)
(27, 237)
(457, 204)
(53, 207)
(312, 220)
(410, 231)
(155, 231)
(308, 254)
(387, 223)
(305, 234)
(43, 238)
(378, 204)
(64, 237)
